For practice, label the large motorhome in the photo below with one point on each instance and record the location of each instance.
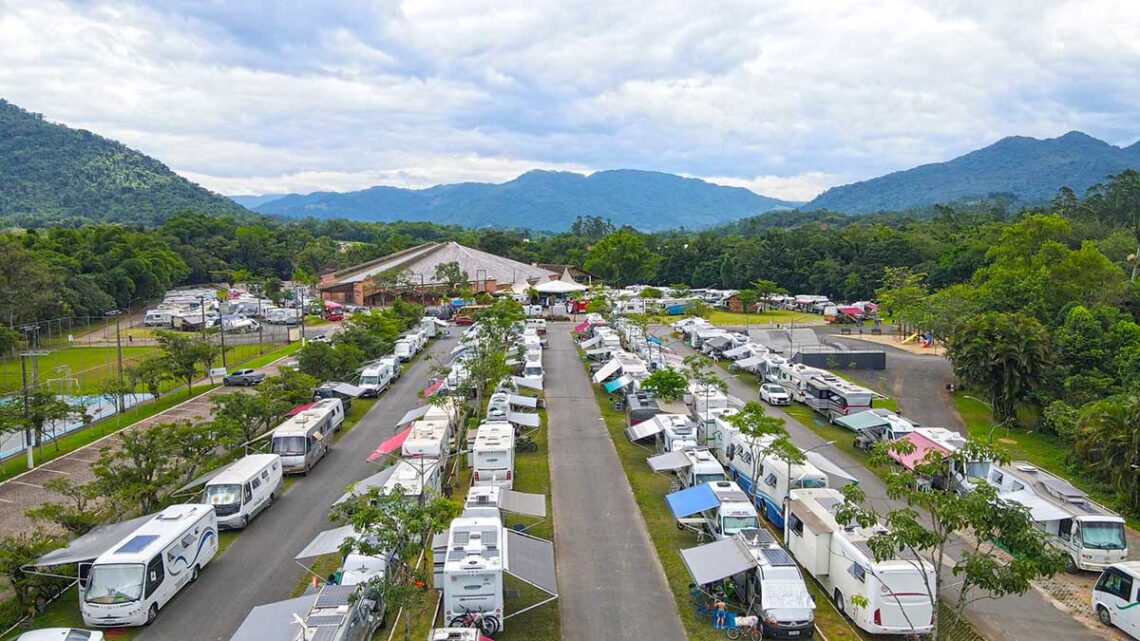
(304, 439)
(834, 397)
(429, 438)
(795, 376)
(774, 477)
(897, 592)
(1092, 534)
(473, 571)
(139, 575)
(245, 488)
(343, 613)
(493, 455)
(702, 468)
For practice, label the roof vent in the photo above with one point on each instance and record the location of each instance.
(1028, 469)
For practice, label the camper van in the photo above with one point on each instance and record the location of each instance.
(777, 589)
(896, 590)
(771, 489)
(428, 439)
(493, 455)
(304, 439)
(342, 613)
(139, 575)
(702, 468)
(1092, 534)
(1116, 595)
(375, 379)
(473, 571)
(392, 364)
(242, 490)
(735, 512)
(158, 318)
(404, 349)
(532, 370)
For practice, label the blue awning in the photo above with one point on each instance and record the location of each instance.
(689, 502)
(653, 339)
(617, 383)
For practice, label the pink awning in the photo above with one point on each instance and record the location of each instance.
(851, 310)
(581, 327)
(922, 445)
(300, 408)
(390, 445)
(434, 387)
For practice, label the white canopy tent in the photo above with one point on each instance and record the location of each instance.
(559, 287)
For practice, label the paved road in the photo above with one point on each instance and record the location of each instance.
(1029, 617)
(609, 579)
(258, 566)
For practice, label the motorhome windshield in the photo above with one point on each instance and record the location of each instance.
(809, 483)
(222, 494)
(370, 379)
(532, 371)
(701, 479)
(114, 583)
(289, 445)
(733, 524)
(1103, 536)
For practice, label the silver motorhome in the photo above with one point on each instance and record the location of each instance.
(243, 489)
(305, 438)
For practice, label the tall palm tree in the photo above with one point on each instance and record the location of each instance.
(1107, 440)
(1004, 355)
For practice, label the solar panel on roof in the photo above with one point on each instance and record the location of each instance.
(830, 504)
(325, 633)
(137, 543)
(777, 556)
(333, 596)
(328, 620)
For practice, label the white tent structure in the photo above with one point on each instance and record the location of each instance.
(559, 287)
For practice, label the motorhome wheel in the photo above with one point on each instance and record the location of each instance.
(194, 574)
(152, 613)
(838, 597)
(1103, 615)
(244, 521)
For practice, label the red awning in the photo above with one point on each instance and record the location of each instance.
(581, 327)
(851, 310)
(300, 408)
(434, 387)
(390, 445)
(922, 445)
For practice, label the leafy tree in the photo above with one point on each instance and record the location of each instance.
(1003, 554)
(450, 274)
(390, 281)
(591, 228)
(243, 416)
(1106, 442)
(137, 473)
(597, 305)
(82, 511)
(651, 293)
(19, 551)
(903, 294)
(1005, 356)
(285, 391)
(194, 444)
(150, 373)
(186, 356)
(326, 362)
(113, 391)
(9, 339)
(622, 258)
(666, 383)
(43, 408)
(698, 309)
(748, 299)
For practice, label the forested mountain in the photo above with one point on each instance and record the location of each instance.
(1027, 170)
(52, 174)
(542, 200)
(254, 201)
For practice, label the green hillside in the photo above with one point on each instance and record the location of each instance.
(52, 174)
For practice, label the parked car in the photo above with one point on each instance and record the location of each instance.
(464, 320)
(773, 394)
(61, 634)
(244, 377)
(320, 338)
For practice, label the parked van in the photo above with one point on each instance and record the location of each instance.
(158, 318)
(428, 326)
(242, 490)
(304, 439)
(1116, 597)
(375, 379)
(404, 349)
(392, 364)
(896, 593)
(532, 370)
(139, 575)
(493, 455)
(537, 324)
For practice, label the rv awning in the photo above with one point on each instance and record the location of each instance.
(376, 480)
(459, 348)
(525, 419)
(750, 362)
(413, 415)
(522, 401)
(531, 560)
(668, 461)
(390, 444)
(201, 480)
(738, 351)
(717, 561)
(434, 387)
(522, 503)
(827, 467)
(860, 421)
(300, 408)
(601, 351)
(274, 620)
(590, 342)
(922, 448)
(91, 545)
(617, 383)
(1040, 509)
(512, 362)
(581, 327)
(691, 501)
(718, 342)
(348, 389)
(644, 429)
(607, 370)
(326, 542)
(530, 383)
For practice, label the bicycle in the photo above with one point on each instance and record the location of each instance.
(526, 444)
(488, 624)
(746, 628)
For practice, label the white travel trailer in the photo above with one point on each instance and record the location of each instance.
(304, 439)
(158, 318)
(428, 438)
(493, 455)
(897, 595)
(1116, 595)
(243, 489)
(374, 379)
(702, 398)
(404, 349)
(139, 575)
(1092, 534)
(719, 508)
(473, 571)
(775, 478)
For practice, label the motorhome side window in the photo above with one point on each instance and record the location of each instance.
(1064, 529)
(770, 480)
(256, 483)
(1117, 584)
(858, 572)
(248, 493)
(796, 525)
(154, 575)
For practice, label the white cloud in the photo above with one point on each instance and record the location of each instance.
(783, 98)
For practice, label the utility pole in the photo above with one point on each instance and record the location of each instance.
(119, 354)
(29, 437)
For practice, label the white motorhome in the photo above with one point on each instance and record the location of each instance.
(795, 376)
(342, 613)
(896, 590)
(392, 364)
(304, 439)
(473, 571)
(498, 406)
(1116, 597)
(404, 349)
(243, 489)
(834, 397)
(428, 438)
(702, 398)
(415, 478)
(532, 370)
(428, 326)
(493, 455)
(420, 338)
(702, 468)
(158, 318)
(719, 508)
(537, 324)
(677, 432)
(775, 477)
(374, 379)
(139, 575)
(1092, 534)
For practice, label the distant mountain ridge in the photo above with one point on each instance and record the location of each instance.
(543, 200)
(1029, 169)
(52, 174)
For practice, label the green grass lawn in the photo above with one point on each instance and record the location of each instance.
(780, 316)
(87, 365)
(64, 613)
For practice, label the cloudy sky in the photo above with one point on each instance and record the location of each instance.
(786, 98)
